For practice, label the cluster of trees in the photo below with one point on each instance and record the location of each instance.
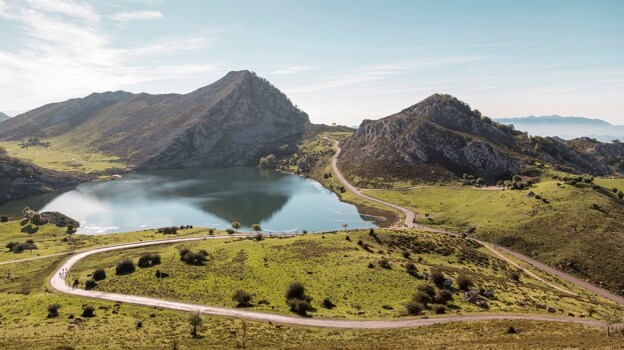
(17, 247)
(298, 300)
(193, 258)
(468, 179)
(173, 229)
(148, 260)
(517, 183)
(426, 296)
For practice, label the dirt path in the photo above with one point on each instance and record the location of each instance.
(59, 283)
(34, 258)
(409, 222)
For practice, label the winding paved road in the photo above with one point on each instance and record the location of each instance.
(59, 283)
(409, 222)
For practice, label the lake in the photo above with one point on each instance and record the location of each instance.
(277, 201)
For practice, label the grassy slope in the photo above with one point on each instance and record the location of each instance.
(329, 266)
(51, 239)
(553, 232)
(64, 156)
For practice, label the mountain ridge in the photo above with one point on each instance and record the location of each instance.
(442, 136)
(4, 117)
(231, 122)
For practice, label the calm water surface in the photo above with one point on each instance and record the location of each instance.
(201, 197)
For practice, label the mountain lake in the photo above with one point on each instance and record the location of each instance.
(279, 202)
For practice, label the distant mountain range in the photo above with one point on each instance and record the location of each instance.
(232, 122)
(3, 117)
(567, 127)
(442, 135)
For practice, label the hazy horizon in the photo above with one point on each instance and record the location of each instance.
(339, 62)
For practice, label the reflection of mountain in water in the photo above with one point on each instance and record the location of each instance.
(246, 195)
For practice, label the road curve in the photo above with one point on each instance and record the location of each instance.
(59, 283)
(409, 215)
(409, 222)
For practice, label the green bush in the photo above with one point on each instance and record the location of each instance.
(99, 274)
(413, 307)
(125, 267)
(242, 298)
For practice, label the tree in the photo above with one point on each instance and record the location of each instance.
(413, 307)
(256, 227)
(443, 296)
(295, 290)
(464, 283)
(99, 274)
(124, 267)
(422, 298)
(236, 225)
(300, 307)
(53, 310)
(88, 311)
(437, 277)
(242, 298)
(427, 289)
(344, 225)
(195, 320)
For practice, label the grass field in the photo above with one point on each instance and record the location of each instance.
(50, 239)
(64, 156)
(330, 266)
(554, 229)
(25, 325)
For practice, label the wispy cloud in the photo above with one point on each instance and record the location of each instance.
(137, 15)
(292, 70)
(379, 72)
(64, 51)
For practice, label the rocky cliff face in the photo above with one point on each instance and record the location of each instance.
(19, 179)
(232, 122)
(443, 135)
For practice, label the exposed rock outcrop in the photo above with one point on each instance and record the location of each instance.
(442, 135)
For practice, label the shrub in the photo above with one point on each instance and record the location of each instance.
(4, 218)
(464, 283)
(242, 298)
(515, 276)
(439, 309)
(427, 289)
(327, 303)
(384, 263)
(295, 290)
(422, 298)
(195, 258)
(443, 296)
(406, 254)
(99, 274)
(230, 231)
(300, 307)
(124, 267)
(437, 277)
(10, 245)
(147, 260)
(90, 284)
(183, 251)
(88, 311)
(413, 307)
(411, 268)
(53, 310)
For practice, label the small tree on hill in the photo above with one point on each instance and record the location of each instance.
(195, 320)
(242, 298)
(124, 267)
(256, 227)
(53, 310)
(236, 225)
(464, 283)
(437, 277)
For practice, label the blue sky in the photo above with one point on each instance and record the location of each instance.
(340, 61)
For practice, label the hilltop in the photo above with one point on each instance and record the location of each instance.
(566, 127)
(232, 122)
(442, 137)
